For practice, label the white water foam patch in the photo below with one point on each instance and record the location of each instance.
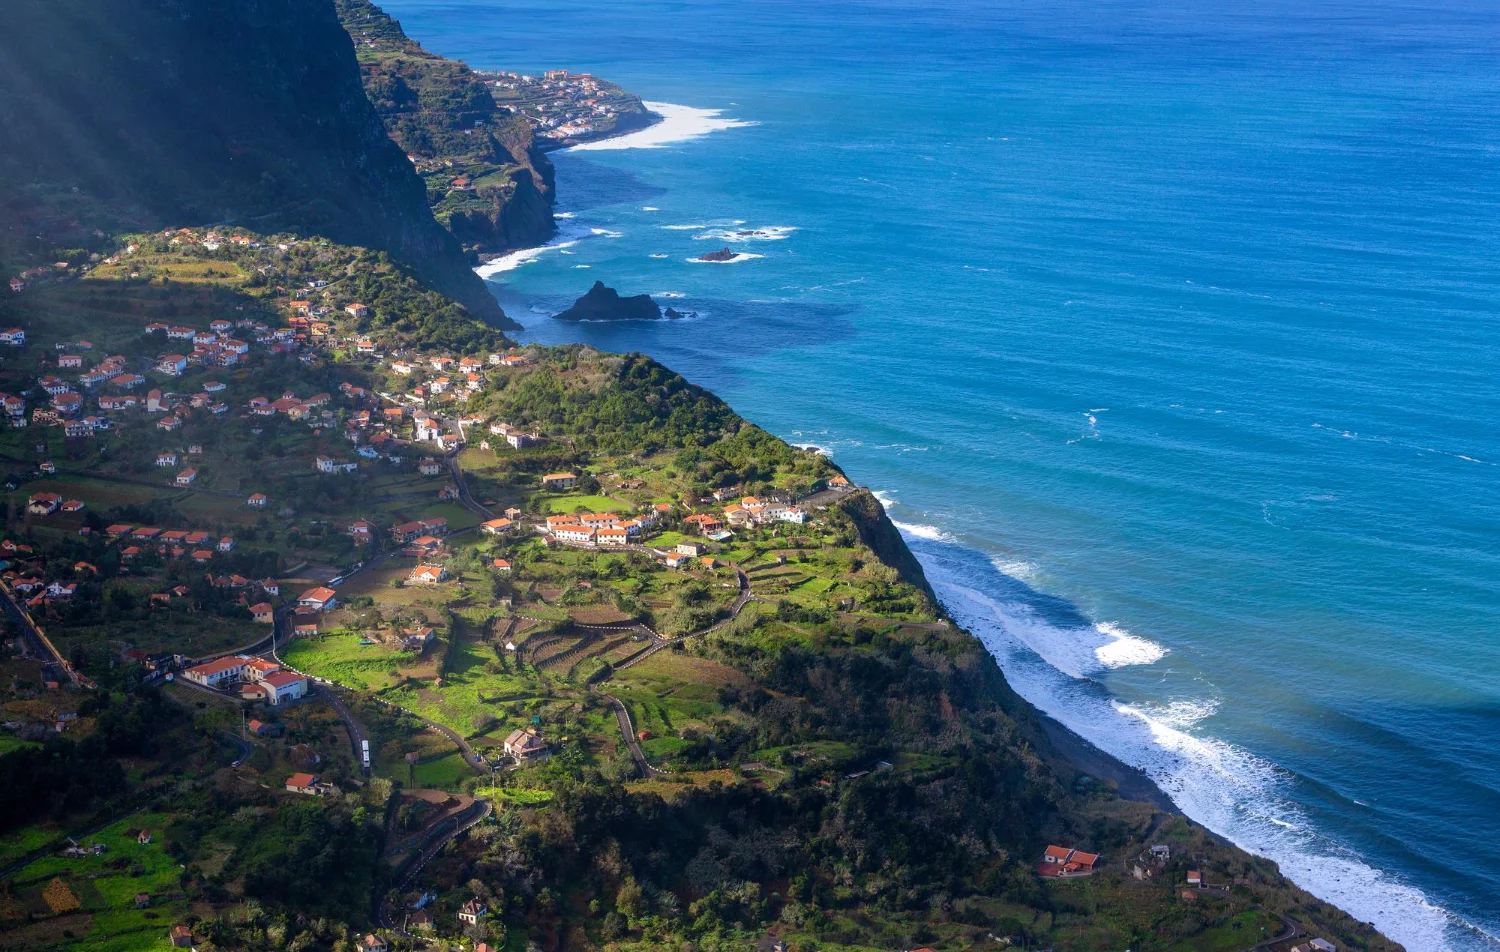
(1227, 789)
(525, 256)
(1125, 649)
(768, 233)
(678, 124)
(820, 450)
(1019, 569)
(568, 236)
(741, 256)
(931, 533)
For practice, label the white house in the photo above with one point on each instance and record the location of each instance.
(321, 598)
(574, 533)
(213, 673)
(327, 464)
(472, 911)
(284, 686)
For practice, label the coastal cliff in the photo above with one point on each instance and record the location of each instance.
(487, 180)
(147, 113)
(821, 754)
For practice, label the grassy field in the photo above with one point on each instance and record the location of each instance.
(585, 504)
(445, 773)
(671, 693)
(106, 885)
(341, 658)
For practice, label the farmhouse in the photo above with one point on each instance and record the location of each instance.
(43, 504)
(427, 575)
(1062, 861)
(308, 783)
(557, 481)
(327, 464)
(524, 745)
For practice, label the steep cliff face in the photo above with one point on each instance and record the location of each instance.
(486, 179)
(163, 112)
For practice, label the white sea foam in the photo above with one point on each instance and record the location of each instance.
(525, 256)
(812, 446)
(582, 266)
(923, 532)
(569, 235)
(606, 233)
(669, 294)
(678, 124)
(659, 255)
(650, 208)
(1018, 569)
(741, 256)
(1125, 649)
(768, 233)
(1226, 788)
(693, 227)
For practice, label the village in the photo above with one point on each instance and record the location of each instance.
(414, 582)
(566, 108)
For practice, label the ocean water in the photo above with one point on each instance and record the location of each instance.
(1166, 330)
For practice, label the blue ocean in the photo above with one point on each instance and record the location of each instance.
(1168, 331)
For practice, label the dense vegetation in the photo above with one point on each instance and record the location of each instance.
(77, 776)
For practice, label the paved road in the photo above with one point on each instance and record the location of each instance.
(1290, 931)
(357, 733)
(39, 644)
(471, 757)
(244, 745)
(627, 731)
(476, 812)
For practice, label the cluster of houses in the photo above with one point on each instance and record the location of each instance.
(113, 386)
(564, 105)
(37, 592)
(752, 511)
(253, 679)
(603, 529)
(45, 504)
(196, 544)
(43, 274)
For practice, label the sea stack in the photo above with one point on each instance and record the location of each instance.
(605, 304)
(723, 254)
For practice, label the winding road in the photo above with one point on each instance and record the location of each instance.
(475, 813)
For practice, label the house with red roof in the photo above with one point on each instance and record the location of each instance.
(1065, 862)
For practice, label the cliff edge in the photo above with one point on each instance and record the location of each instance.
(149, 113)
